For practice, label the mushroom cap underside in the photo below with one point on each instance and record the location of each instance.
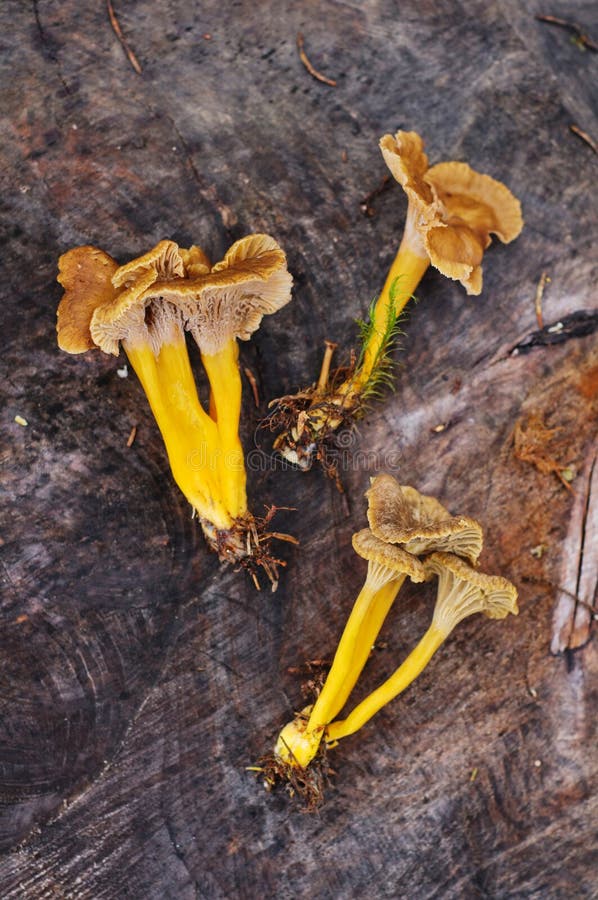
(391, 557)
(399, 514)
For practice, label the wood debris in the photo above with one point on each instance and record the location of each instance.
(582, 39)
(574, 612)
(366, 205)
(310, 68)
(585, 137)
(544, 280)
(132, 435)
(538, 551)
(252, 381)
(532, 443)
(118, 32)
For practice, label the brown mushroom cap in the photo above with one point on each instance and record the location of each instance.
(163, 261)
(475, 206)
(485, 204)
(86, 276)
(463, 591)
(195, 261)
(151, 298)
(393, 559)
(104, 302)
(399, 514)
(404, 155)
(138, 313)
(452, 209)
(229, 302)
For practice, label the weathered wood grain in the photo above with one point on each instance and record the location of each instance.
(137, 679)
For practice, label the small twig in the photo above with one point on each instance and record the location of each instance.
(312, 71)
(325, 370)
(545, 582)
(366, 204)
(289, 538)
(117, 31)
(582, 38)
(538, 299)
(132, 436)
(251, 379)
(585, 137)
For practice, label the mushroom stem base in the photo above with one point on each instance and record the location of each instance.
(307, 785)
(309, 426)
(247, 545)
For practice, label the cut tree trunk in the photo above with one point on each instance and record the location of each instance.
(138, 679)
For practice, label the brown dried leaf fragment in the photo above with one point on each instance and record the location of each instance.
(534, 443)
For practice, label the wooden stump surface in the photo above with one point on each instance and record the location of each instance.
(137, 678)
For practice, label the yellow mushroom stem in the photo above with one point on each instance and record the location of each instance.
(299, 741)
(190, 435)
(404, 275)
(222, 369)
(415, 663)
(462, 592)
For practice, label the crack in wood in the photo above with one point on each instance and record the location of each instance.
(180, 855)
(576, 325)
(48, 47)
(225, 213)
(574, 611)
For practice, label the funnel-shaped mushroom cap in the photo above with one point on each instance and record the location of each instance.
(401, 515)
(133, 317)
(105, 303)
(404, 155)
(387, 557)
(86, 276)
(453, 209)
(195, 261)
(230, 301)
(163, 261)
(138, 313)
(463, 591)
(476, 206)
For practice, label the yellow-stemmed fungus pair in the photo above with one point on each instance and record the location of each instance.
(452, 212)
(147, 306)
(410, 536)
